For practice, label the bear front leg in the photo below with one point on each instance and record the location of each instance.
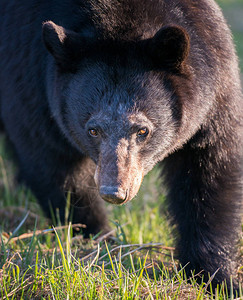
(86, 204)
(205, 202)
(51, 184)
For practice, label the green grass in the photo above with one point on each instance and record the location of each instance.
(138, 262)
(33, 270)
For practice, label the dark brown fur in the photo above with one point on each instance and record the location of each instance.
(114, 68)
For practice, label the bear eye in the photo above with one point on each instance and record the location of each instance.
(142, 132)
(93, 132)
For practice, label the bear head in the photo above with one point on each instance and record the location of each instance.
(114, 101)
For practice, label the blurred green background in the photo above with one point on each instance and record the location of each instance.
(233, 11)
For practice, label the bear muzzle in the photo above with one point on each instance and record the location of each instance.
(118, 174)
(113, 194)
(118, 191)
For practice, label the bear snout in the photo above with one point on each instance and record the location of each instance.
(113, 194)
(118, 175)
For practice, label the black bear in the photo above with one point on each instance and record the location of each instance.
(109, 88)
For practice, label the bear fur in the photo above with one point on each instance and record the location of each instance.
(95, 93)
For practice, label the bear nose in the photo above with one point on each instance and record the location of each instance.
(113, 194)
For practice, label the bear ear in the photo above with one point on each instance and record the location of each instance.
(170, 46)
(65, 45)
